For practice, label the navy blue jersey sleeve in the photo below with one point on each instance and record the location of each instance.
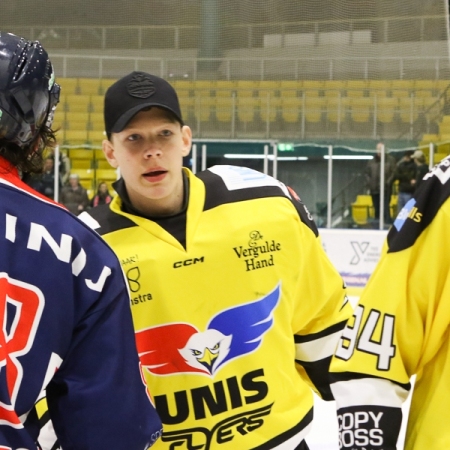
(97, 397)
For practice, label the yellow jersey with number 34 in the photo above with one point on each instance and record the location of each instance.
(400, 328)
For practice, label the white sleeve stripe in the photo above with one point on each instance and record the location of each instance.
(368, 391)
(318, 349)
(89, 220)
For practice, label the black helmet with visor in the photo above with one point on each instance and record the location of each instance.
(28, 92)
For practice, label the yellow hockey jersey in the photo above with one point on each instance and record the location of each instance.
(400, 328)
(237, 321)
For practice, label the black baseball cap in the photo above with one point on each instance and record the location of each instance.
(134, 92)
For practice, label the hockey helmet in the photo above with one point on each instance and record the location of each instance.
(28, 92)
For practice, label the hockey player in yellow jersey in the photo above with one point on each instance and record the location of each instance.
(400, 328)
(236, 307)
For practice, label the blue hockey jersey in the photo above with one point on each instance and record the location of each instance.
(66, 329)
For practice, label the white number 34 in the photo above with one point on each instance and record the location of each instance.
(382, 348)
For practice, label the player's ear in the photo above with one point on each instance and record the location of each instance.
(186, 136)
(108, 150)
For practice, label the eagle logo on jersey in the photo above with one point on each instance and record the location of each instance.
(181, 348)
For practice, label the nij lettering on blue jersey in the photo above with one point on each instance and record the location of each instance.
(66, 329)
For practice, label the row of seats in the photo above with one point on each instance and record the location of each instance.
(98, 86)
(91, 166)
(81, 123)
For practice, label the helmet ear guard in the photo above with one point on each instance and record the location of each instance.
(28, 92)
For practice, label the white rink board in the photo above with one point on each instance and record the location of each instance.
(355, 254)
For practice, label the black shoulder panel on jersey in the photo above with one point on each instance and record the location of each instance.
(109, 221)
(420, 211)
(218, 194)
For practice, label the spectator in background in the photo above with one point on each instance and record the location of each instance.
(422, 167)
(64, 165)
(406, 175)
(102, 197)
(373, 181)
(74, 196)
(44, 182)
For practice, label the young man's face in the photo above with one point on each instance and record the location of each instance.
(149, 153)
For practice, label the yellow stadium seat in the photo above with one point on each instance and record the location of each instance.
(386, 108)
(225, 84)
(357, 84)
(203, 108)
(312, 92)
(291, 84)
(97, 103)
(423, 93)
(340, 85)
(360, 214)
(428, 138)
(271, 85)
(380, 85)
(105, 83)
(183, 84)
(313, 84)
(268, 108)
(402, 84)
(291, 107)
(77, 120)
(224, 108)
(96, 121)
(244, 93)
(98, 154)
(78, 103)
(439, 156)
(353, 93)
(81, 153)
(441, 85)
(96, 137)
(106, 174)
(81, 163)
(288, 93)
(69, 86)
(401, 93)
(407, 109)
(379, 93)
(208, 85)
(264, 94)
(334, 93)
(84, 174)
(59, 119)
(364, 199)
(102, 164)
(246, 109)
(314, 108)
(425, 84)
(187, 105)
(247, 84)
(336, 109)
(76, 137)
(361, 109)
(89, 86)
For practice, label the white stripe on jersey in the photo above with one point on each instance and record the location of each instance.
(89, 220)
(368, 391)
(317, 349)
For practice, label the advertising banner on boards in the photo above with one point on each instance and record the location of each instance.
(354, 253)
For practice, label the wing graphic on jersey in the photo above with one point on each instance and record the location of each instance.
(181, 348)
